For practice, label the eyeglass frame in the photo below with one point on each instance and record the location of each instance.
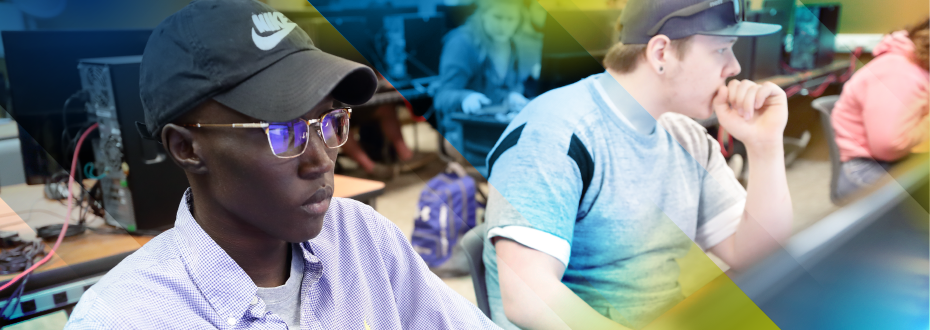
(265, 125)
(697, 8)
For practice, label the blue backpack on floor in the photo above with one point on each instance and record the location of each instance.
(446, 211)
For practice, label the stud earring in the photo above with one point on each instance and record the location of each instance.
(661, 69)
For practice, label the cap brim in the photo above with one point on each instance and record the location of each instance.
(745, 29)
(292, 86)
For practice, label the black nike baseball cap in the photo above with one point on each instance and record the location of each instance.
(246, 56)
(643, 19)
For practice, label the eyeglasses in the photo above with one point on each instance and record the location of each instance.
(289, 139)
(697, 8)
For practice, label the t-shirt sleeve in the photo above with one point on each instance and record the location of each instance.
(722, 198)
(501, 211)
(538, 170)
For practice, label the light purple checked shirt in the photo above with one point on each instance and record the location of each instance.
(360, 273)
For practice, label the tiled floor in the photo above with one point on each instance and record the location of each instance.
(808, 180)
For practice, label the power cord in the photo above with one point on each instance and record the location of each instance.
(64, 227)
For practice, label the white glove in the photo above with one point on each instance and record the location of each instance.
(516, 101)
(474, 102)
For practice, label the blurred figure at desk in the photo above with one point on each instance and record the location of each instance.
(485, 63)
(882, 113)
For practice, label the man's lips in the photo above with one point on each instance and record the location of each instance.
(318, 203)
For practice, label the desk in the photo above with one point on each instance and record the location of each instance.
(8, 129)
(838, 65)
(479, 134)
(921, 148)
(862, 267)
(82, 260)
(362, 190)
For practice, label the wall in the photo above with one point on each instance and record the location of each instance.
(878, 16)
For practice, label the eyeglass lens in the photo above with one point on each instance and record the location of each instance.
(289, 139)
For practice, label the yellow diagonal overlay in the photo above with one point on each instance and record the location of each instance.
(10, 220)
(582, 20)
(718, 305)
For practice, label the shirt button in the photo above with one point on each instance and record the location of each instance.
(254, 301)
(231, 321)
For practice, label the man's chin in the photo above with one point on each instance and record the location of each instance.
(706, 114)
(305, 232)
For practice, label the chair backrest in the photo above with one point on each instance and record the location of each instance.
(824, 105)
(473, 245)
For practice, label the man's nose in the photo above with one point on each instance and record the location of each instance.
(315, 161)
(732, 68)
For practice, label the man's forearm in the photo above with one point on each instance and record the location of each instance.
(768, 215)
(536, 299)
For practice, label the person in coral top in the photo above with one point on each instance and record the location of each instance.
(882, 113)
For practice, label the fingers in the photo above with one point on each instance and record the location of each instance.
(484, 100)
(738, 91)
(748, 100)
(766, 91)
(746, 96)
(720, 99)
(733, 94)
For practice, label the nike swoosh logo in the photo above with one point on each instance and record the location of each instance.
(270, 41)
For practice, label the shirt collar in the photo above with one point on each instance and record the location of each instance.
(624, 105)
(223, 283)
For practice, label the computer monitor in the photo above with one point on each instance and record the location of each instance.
(42, 68)
(815, 27)
(348, 37)
(364, 36)
(424, 44)
(456, 15)
(567, 42)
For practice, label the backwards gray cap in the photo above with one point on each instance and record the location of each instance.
(644, 19)
(245, 55)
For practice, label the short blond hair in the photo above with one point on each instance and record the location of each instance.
(624, 58)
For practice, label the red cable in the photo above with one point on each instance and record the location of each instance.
(64, 227)
(723, 150)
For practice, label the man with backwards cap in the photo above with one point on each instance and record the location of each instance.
(244, 103)
(600, 185)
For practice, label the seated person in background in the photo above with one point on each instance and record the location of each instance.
(597, 187)
(486, 62)
(386, 116)
(259, 242)
(882, 113)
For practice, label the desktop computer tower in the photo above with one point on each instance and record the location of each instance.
(761, 57)
(141, 186)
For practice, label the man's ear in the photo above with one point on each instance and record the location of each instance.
(658, 51)
(184, 150)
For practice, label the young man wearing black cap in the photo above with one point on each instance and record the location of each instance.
(597, 187)
(243, 102)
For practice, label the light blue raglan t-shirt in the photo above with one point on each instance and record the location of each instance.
(625, 203)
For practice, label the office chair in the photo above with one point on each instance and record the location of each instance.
(473, 245)
(824, 105)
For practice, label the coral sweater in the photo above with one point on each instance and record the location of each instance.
(880, 114)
